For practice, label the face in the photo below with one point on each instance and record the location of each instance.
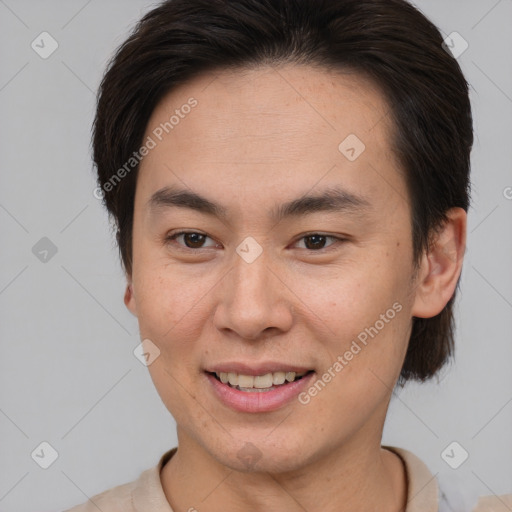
(325, 287)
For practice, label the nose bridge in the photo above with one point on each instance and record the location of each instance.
(250, 288)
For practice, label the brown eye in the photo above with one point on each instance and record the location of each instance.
(317, 241)
(191, 239)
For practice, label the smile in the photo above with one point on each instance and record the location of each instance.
(259, 393)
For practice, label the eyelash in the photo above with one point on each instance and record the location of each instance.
(171, 237)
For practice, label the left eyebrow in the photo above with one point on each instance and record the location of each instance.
(333, 199)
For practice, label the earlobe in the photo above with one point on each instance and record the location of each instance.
(129, 299)
(441, 266)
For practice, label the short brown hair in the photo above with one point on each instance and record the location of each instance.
(389, 41)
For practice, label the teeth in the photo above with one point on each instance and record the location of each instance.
(260, 381)
(245, 381)
(278, 378)
(265, 381)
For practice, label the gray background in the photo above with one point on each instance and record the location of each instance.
(68, 375)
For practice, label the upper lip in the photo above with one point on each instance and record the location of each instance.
(256, 369)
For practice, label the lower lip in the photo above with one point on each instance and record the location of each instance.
(254, 401)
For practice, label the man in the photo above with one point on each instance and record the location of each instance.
(290, 182)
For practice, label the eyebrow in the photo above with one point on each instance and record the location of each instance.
(333, 199)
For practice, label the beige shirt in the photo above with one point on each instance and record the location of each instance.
(146, 493)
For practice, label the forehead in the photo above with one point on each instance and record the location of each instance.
(254, 132)
(264, 102)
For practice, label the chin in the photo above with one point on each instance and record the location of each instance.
(260, 456)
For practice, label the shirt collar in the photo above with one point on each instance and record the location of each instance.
(422, 487)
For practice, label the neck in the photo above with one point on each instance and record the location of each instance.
(352, 478)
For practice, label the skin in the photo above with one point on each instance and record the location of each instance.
(256, 139)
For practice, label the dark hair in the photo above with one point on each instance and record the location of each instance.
(388, 41)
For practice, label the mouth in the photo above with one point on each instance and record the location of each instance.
(258, 383)
(258, 393)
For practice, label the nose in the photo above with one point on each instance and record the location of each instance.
(254, 300)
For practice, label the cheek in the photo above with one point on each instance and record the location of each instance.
(362, 367)
(171, 314)
(170, 318)
(354, 295)
(367, 311)
(170, 301)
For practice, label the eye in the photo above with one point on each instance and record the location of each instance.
(316, 241)
(192, 239)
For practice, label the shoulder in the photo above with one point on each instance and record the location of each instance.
(116, 499)
(457, 494)
(501, 503)
(144, 493)
(444, 492)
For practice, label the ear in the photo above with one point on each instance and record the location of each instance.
(129, 297)
(441, 266)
